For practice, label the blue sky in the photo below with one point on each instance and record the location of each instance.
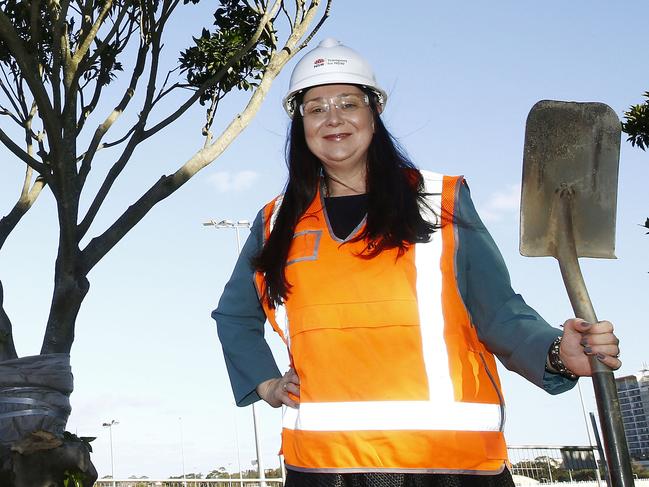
(461, 78)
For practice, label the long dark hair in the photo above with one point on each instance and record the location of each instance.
(395, 191)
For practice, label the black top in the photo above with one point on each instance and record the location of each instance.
(345, 213)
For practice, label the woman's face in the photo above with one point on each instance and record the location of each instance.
(340, 135)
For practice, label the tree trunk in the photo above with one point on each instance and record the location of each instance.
(70, 288)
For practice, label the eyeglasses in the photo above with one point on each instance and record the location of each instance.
(318, 108)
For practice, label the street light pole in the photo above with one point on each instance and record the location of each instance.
(255, 420)
(236, 439)
(110, 431)
(182, 450)
(590, 442)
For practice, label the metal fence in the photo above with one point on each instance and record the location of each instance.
(549, 464)
(235, 482)
(531, 464)
(206, 483)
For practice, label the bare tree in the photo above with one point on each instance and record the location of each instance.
(59, 63)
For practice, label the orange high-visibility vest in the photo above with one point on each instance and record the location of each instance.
(392, 374)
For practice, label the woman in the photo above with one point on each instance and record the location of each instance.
(392, 299)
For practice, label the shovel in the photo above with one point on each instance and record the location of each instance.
(569, 196)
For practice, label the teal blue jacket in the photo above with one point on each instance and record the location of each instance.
(509, 328)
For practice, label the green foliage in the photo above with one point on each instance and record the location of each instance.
(222, 473)
(636, 124)
(542, 470)
(639, 470)
(73, 479)
(104, 67)
(37, 33)
(236, 23)
(219, 473)
(38, 44)
(191, 476)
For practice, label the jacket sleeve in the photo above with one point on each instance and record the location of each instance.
(505, 324)
(240, 324)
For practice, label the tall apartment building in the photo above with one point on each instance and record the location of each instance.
(633, 391)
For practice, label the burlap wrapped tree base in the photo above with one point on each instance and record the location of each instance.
(34, 409)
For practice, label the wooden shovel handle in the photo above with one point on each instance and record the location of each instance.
(608, 405)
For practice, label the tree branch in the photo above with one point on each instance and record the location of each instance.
(7, 347)
(86, 10)
(217, 77)
(299, 11)
(86, 110)
(162, 91)
(156, 48)
(92, 33)
(39, 167)
(102, 129)
(137, 130)
(288, 17)
(166, 185)
(9, 92)
(59, 50)
(112, 175)
(76, 8)
(34, 16)
(325, 16)
(11, 115)
(27, 196)
(210, 118)
(115, 29)
(107, 145)
(20, 92)
(22, 206)
(168, 9)
(31, 75)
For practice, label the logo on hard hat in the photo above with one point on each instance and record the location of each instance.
(318, 62)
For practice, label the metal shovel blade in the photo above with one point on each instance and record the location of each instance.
(570, 166)
(575, 147)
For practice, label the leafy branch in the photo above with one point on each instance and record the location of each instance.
(636, 124)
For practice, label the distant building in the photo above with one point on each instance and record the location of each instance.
(633, 391)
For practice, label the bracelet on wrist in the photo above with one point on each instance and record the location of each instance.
(556, 365)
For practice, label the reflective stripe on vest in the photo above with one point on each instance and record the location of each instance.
(276, 316)
(356, 412)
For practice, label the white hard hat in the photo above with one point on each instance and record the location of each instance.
(331, 63)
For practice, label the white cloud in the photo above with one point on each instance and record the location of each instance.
(502, 203)
(225, 181)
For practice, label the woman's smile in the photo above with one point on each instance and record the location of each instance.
(337, 137)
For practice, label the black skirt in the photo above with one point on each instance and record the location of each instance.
(379, 479)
